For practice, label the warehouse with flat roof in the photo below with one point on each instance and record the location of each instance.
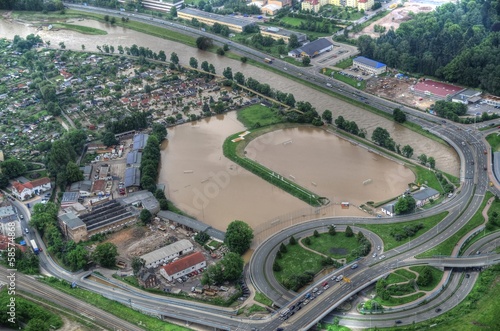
(312, 49)
(234, 23)
(165, 254)
(369, 65)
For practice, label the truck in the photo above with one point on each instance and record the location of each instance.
(268, 60)
(34, 246)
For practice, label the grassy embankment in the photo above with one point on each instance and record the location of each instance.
(477, 312)
(446, 247)
(384, 230)
(494, 141)
(115, 308)
(325, 243)
(79, 28)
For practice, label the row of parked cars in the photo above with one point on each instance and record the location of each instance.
(184, 278)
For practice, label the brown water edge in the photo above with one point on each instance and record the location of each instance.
(446, 158)
(213, 189)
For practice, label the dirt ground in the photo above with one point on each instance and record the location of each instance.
(400, 15)
(392, 88)
(71, 325)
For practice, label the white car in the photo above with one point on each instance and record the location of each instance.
(381, 257)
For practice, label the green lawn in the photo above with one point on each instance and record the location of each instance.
(436, 277)
(257, 115)
(406, 274)
(399, 301)
(296, 261)
(346, 63)
(384, 230)
(494, 141)
(293, 21)
(261, 298)
(80, 28)
(325, 243)
(395, 278)
(446, 247)
(424, 176)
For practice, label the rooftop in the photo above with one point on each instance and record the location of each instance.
(369, 62)
(132, 177)
(184, 263)
(146, 198)
(314, 46)
(426, 193)
(242, 22)
(140, 141)
(71, 220)
(437, 88)
(165, 251)
(192, 223)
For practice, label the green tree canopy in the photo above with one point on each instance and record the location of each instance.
(105, 254)
(405, 205)
(239, 236)
(12, 168)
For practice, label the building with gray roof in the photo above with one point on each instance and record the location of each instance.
(132, 179)
(165, 254)
(72, 227)
(312, 49)
(425, 195)
(234, 23)
(192, 224)
(145, 198)
(140, 141)
(134, 159)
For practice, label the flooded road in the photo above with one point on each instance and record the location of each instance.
(215, 190)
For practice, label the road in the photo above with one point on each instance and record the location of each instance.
(470, 147)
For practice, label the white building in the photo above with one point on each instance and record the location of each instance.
(25, 191)
(369, 65)
(167, 253)
(183, 266)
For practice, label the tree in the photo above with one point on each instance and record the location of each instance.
(423, 159)
(283, 248)
(193, 62)
(4, 181)
(239, 236)
(228, 73)
(12, 168)
(349, 232)
(432, 162)
(405, 205)
(407, 151)
(316, 233)
(425, 276)
(174, 58)
(109, 139)
(173, 11)
(232, 264)
(145, 216)
(220, 51)
(83, 47)
(239, 78)
(306, 60)
(226, 47)
(76, 258)
(137, 264)
(331, 230)
(399, 115)
(327, 116)
(62, 45)
(307, 241)
(381, 136)
(73, 173)
(244, 59)
(292, 241)
(204, 43)
(105, 254)
(159, 131)
(276, 267)
(293, 42)
(214, 275)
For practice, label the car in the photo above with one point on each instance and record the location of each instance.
(21, 216)
(438, 310)
(378, 247)
(319, 292)
(26, 230)
(315, 290)
(398, 322)
(374, 254)
(324, 284)
(280, 329)
(326, 287)
(467, 275)
(354, 266)
(381, 257)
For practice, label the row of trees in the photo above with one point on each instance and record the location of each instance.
(349, 126)
(407, 231)
(151, 157)
(450, 110)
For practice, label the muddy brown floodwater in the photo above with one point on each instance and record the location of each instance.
(197, 147)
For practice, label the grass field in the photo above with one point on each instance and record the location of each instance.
(256, 116)
(346, 63)
(261, 298)
(426, 177)
(395, 278)
(325, 242)
(446, 247)
(399, 301)
(80, 28)
(296, 261)
(384, 230)
(293, 21)
(406, 274)
(353, 82)
(494, 141)
(437, 275)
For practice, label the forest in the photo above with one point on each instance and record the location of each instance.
(459, 43)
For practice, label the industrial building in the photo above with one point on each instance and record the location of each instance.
(236, 24)
(369, 65)
(190, 224)
(168, 253)
(183, 266)
(312, 49)
(435, 90)
(163, 5)
(279, 33)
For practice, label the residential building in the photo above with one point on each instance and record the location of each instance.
(424, 196)
(312, 5)
(236, 24)
(369, 65)
(183, 266)
(388, 209)
(435, 90)
(365, 4)
(27, 190)
(168, 253)
(9, 221)
(315, 5)
(312, 49)
(162, 5)
(5, 244)
(147, 278)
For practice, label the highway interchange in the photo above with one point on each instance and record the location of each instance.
(475, 182)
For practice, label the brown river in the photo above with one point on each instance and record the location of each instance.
(208, 186)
